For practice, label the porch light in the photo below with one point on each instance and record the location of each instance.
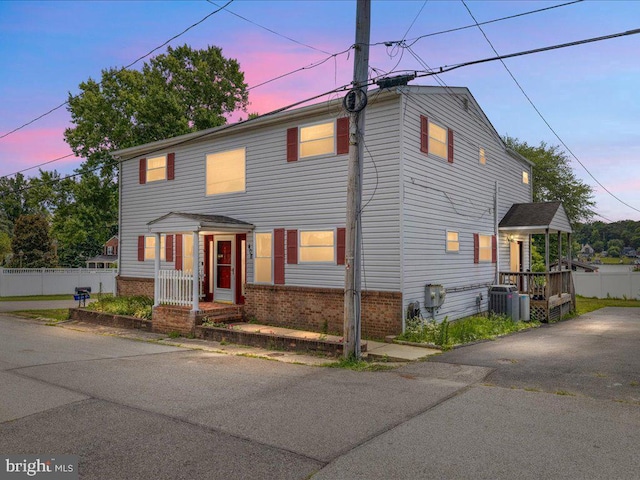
(511, 238)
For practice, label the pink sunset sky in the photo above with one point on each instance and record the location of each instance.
(588, 93)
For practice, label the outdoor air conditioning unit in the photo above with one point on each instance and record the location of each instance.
(505, 300)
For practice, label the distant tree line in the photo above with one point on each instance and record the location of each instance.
(609, 237)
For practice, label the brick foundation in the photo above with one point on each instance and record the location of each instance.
(322, 309)
(134, 286)
(169, 319)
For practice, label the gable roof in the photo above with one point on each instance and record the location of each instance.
(536, 218)
(195, 222)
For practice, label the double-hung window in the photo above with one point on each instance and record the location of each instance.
(156, 168)
(150, 247)
(318, 139)
(226, 172)
(263, 264)
(317, 246)
(484, 248)
(453, 242)
(437, 140)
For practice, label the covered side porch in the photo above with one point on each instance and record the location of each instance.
(199, 271)
(551, 292)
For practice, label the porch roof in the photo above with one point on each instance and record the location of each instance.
(196, 222)
(536, 218)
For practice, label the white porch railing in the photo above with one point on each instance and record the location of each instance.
(176, 287)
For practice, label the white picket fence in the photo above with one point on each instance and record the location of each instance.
(608, 284)
(175, 287)
(55, 281)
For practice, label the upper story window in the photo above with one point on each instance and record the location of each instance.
(435, 139)
(317, 139)
(453, 242)
(525, 177)
(317, 246)
(327, 138)
(156, 168)
(226, 172)
(482, 158)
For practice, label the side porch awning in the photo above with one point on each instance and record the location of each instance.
(197, 222)
(533, 218)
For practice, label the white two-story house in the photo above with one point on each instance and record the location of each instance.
(253, 214)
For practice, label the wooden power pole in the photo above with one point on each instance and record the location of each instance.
(355, 102)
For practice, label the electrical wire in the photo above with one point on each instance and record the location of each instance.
(123, 68)
(542, 116)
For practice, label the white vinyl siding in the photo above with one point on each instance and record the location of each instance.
(438, 198)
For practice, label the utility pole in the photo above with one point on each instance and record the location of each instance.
(355, 102)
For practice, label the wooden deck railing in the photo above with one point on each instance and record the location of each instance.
(539, 286)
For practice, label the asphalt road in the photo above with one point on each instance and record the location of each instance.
(136, 410)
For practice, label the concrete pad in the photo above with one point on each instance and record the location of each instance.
(397, 353)
(15, 390)
(495, 433)
(117, 442)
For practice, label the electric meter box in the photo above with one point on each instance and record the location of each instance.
(434, 296)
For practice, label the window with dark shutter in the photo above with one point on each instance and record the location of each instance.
(424, 134)
(141, 248)
(292, 144)
(171, 166)
(341, 245)
(292, 247)
(178, 265)
(168, 247)
(143, 171)
(342, 138)
(494, 249)
(278, 256)
(476, 248)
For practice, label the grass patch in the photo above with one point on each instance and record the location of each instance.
(30, 298)
(54, 314)
(139, 307)
(466, 330)
(586, 305)
(358, 365)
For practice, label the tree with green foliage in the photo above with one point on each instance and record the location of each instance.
(181, 91)
(31, 244)
(5, 247)
(554, 180)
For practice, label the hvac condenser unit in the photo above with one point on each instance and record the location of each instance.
(505, 300)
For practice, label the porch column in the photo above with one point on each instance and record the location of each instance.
(196, 272)
(156, 273)
(547, 264)
(559, 251)
(569, 252)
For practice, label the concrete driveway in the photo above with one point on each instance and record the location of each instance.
(596, 355)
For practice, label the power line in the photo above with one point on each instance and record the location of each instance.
(542, 116)
(123, 68)
(415, 40)
(272, 31)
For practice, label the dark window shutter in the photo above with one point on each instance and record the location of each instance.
(141, 248)
(178, 265)
(292, 144)
(278, 256)
(450, 149)
(171, 166)
(424, 134)
(342, 136)
(476, 248)
(341, 245)
(494, 249)
(168, 248)
(143, 171)
(292, 247)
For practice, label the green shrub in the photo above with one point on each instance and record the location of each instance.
(139, 307)
(446, 334)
